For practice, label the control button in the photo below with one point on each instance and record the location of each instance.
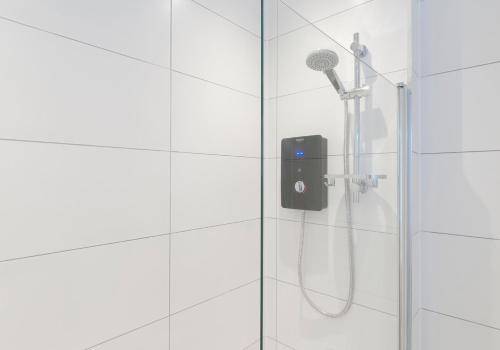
(300, 187)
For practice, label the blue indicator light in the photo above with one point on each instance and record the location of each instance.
(299, 153)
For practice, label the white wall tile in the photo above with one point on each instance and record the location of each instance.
(416, 272)
(210, 47)
(459, 190)
(212, 190)
(225, 323)
(245, 13)
(208, 262)
(455, 34)
(75, 300)
(151, 337)
(460, 193)
(301, 327)
(415, 110)
(288, 19)
(442, 332)
(416, 193)
(325, 263)
(459, 277)
(207, 118)
(57, 197)
(270, 308)
(281, 346)
(314, 112)
(314, 10)
(270, 251)
(139, 29)
(59, 90)
(415, 37)
(270, 78)
(376, 210)
(416, 332)
(272, 344)
(269, 140)
(254, 346)
(461, 106)
(270, 187)
(270, 14)
(383, 26)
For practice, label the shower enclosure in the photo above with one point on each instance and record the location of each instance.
(201, 174)
(336, 136)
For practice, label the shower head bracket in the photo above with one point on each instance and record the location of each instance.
(362, 183)
(357, 92)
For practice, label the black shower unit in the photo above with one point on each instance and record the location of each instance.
(304, 163)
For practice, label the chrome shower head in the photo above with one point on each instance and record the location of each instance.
(322, 60)
(325, 61)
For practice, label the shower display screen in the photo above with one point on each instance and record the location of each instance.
(304, 163)
(299, 153)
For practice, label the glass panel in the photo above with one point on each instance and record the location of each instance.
(321, 230)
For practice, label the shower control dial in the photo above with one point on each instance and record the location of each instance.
(300, 187)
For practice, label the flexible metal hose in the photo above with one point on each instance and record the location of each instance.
(348, 209)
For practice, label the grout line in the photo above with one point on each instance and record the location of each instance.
(461, 319)
(280, 343)
(341, 155)
(127, 333)
(461, 235)
(332, 226)
(214, 83)
(175, 313)
(415, 314)
(122, 241)
(416, 233)
(83, 42)
(227, 19)
(460, 69)
(124, 148)
(217, 225)
(82, 248)
(335, 297)
(125, 55)
(343, 11)
(316, 21)
(375, 75)
(229, 291)
(460, 152)
(251, 344)
(336, 42)
(299, 92)
(216, 154)
(83, 145)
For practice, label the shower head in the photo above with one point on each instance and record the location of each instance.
(325, 61)
(322, 60)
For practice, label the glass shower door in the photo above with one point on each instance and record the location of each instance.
(332, 184)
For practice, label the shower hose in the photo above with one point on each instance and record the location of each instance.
(348, 207)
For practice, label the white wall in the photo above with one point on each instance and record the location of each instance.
(301, 102)
(460, 189)
(130, 143)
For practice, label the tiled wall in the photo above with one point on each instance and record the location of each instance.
(460, 146)
(301, 102)
(130, 143)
